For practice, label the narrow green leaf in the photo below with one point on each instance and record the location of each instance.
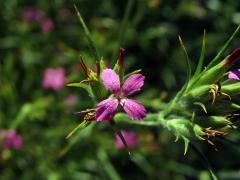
(88, 35)
(187, 59)
(134, 72)
(123, 26)
(204, 161)
(217, 58)
(143, 163)
(84, 134)
(107, 165)
(180, 93)
(80, 126)
(86, 87)
(202, 55)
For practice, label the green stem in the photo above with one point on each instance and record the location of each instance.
(150, 120)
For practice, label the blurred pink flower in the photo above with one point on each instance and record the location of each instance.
(11, 140)
(54, 78)
(71, 100)
(131, 139)
(47, 25)
(32, 14)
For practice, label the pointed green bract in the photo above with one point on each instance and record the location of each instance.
(202, 106)
(86, 87)
(186, 145)
(80, 126)
(102, 65)
(202, 55)
(181, 92)
(88, 35)
(189, 71)
(80, 84)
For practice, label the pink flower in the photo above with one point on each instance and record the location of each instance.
(106, 109)
(131, 139)
(32, 14)
(54, 78)
(12, 140)
(47, 25)
(234, 74)
(71, 100)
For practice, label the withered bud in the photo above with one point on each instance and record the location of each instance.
(84, 67)
(98, 68)
(233, 57)
(121, 58)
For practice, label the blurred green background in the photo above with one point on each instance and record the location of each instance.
(43, 117)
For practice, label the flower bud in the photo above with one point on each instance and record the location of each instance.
(119, 66)
(215, 73)
(233, 57)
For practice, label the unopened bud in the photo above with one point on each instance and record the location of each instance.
(121, 58)
(217, 72)
(233, 57)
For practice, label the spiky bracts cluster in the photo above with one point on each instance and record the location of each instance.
(206, 107)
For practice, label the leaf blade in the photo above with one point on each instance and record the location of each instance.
(204, 161)
(202, 55)
(88, 35)
(216, 59)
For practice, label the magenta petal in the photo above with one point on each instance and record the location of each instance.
(111, 80)
(234, 74)
(106, 109)
(134, 109)
(131, 139)
(133, 84)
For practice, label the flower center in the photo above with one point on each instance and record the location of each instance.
(119, 95)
